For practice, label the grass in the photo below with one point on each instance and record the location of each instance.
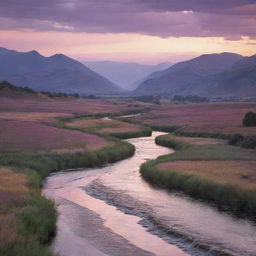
(214, 120)
(208, 169)
(109, 127)
(27, 220)
(31, 218)
(31, 116)
(21, 136)
(223, 118)
(31, 148)
(70, 105)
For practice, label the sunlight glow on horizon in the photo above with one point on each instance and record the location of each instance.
(123, 46)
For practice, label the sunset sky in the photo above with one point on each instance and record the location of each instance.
(144, 31)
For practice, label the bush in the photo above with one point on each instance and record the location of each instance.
(242, 141)
(249, 119)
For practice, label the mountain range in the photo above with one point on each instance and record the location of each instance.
(209, 75)
(57, 73)
(212, 75)
(126, 74)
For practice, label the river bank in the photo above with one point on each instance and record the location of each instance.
(208, 169)
(123, 202)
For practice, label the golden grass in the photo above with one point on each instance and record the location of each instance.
(241, 173)
(12, 182)
(13, 193)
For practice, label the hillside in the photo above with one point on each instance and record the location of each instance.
(57, 73)
(225, 74)
(126, 75)
(240, 80)
(8, 90)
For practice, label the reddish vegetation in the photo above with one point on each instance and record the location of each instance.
(35, 137)
(242, 173)
(41, 117)
(66, 105)
(197, 140)
(204, 117)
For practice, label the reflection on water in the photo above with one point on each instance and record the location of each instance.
(121, 182)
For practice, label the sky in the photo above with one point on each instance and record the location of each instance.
(143, 31)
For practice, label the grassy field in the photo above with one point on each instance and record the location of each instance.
(225, 118)
(106, 126)
(39, 135)
(30, 218)
(39, 117)
(69, 105)
(33, 144)
(208, 169)
(21, 136)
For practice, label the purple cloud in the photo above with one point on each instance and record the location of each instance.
(230, 18)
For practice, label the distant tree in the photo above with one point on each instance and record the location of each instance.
(249, 119)
(157, 100)
(189, 98)
(178, 98)
(148, 98)
(76, 95)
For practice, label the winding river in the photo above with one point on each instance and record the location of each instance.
(113, 211)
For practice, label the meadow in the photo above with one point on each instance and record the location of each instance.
(39, 135)
(109, 127)
(200, 118)
(33, 143)
(24, 136)
(209, 169)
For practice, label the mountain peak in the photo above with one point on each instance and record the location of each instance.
(59, 56)
(205, 75)
(33, 52)
(57, 73)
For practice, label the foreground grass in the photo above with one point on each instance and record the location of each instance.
(28, 221)
(209, 169)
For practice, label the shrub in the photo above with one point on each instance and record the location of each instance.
(249, 119)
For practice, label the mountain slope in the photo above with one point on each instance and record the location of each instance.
(239, 80)
(195, 76)
(57, 73)
(124, 74)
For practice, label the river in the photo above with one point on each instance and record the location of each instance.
(113, 211)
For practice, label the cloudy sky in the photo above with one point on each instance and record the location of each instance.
(145, 31)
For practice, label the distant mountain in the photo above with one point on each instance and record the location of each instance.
(126, 75)
(225, 74)
(57, 73)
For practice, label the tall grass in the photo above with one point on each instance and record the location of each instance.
(36, 221)
(143, 132)
(228, 196)
(225, 195)
(234, 139)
